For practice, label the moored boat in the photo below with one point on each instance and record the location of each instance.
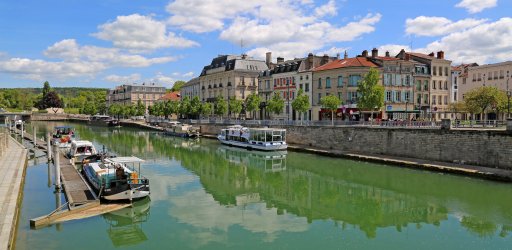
(113, 179)
(182, 130)
(266, 139)
(103, 120)
(63, 136)
(80, 150)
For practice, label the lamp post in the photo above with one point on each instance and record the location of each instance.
(229, 97)
(288, 98)
(406, 116)
(509, 94)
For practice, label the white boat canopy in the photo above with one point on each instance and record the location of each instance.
(127, 159)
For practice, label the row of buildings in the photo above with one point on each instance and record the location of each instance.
(417, 86)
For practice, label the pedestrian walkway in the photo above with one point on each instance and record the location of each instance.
(12, 169)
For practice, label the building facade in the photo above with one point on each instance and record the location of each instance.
(191, 89)
(439, 85)
(128, 94)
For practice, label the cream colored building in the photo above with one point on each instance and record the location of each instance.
(127, 94)
(439, 85)
(191, 89)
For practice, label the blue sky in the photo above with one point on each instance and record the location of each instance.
(109, 42)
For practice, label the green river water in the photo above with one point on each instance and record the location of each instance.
(208, 196)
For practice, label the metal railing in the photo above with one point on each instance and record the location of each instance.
(4, 133)
(478, 124)
(375, 123)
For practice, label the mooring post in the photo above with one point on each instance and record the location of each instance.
(34, 130)
(22, 127)
(56, 162)
(48, 147)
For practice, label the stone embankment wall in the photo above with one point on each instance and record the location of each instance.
(482, 148)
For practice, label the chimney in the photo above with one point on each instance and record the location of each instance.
(325, 59)
(365, 53)
(346, 55)
(431, 54)
(387, 54)
(244, 56)
(375, 52)
(440, 54)
(268, 58)
(310, 61)
(280, 59)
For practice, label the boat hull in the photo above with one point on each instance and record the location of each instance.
(246, 145)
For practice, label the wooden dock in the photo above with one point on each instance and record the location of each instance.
(82, 201)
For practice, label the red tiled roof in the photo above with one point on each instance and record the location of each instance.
(171, 96)
(345, 63)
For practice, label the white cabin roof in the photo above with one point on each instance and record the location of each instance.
(82, 143)
(126, 159)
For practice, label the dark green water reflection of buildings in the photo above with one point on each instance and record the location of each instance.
(367, 196)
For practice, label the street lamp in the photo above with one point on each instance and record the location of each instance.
(288, 98)
(508, 95)
(406, 116)
(229, 97)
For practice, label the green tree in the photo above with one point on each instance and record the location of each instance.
(483, 100)
(236, 106)
(114, 110)
(221, 107)
(177, 85)
(372, 93)
(46, 88)
(206, 108)
(89, 109)
(276, 104)
(195, 106)
(301, 103)
(140, 109)
(185, 106)
(252, 103)
(330, 102)
(51, 100)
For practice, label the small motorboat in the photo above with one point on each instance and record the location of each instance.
(80, 150)
(63, 136)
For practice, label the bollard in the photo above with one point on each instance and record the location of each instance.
(49, 175)
(48, 147)
(34, 130)
(22, 127)
(56, 162)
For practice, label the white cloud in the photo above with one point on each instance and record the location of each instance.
(140, 33)
(40, 69)
(475, 6)
(289, 28)
(328, 9)
(162, 79)
(123, 79)
(70, 50)
(485, 43)
(188, 74)
(437, 26)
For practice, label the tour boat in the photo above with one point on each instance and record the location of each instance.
(115, 178)
(266, 139)
(63, 136)
(182, 130)
(104, 120)
(79, 150)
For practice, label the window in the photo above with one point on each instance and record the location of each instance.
(425, 99)
(319, 83)
(440, 70)
(407, 80)
(418, 85)
(301, 78)
(388, 96)
(275, 83)
(446, 71)
(445, 100)
(340, 81)
(267, 82)
(300, 86)
(445, 84)
(474, 77)
(435, 71)
(440, 85)
(489, 76)
(495, 74)
(327, 82)
(398, 80)
(242, 80)
(387, 79)
(425, 88)
(340, 95)
(501, 74)
(433, 100)
(307, 77)
(398, 96)
(418, 99)
(353, 80)
(440, 101)
(455, 96)
(319, 97)
(433, 84)
(352, 97)
(407, 96)
(479, 76)
(307, 87)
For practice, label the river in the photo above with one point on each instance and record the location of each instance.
(208, 196)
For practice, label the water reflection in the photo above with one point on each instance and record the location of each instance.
(125, 225)
(276, 194)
